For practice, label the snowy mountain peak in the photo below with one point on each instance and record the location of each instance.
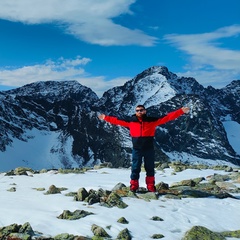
(54, 90)
(149, 88)
(233, 87)
(162, 70)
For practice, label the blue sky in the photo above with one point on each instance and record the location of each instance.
(104, 43)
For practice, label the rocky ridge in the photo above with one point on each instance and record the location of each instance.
(67, 112)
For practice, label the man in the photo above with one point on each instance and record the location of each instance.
(142, 130)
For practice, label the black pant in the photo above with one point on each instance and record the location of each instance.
(137, 156)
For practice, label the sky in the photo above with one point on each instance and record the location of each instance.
(104, 43)
(179, 216)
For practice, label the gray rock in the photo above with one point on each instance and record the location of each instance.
(199, 232)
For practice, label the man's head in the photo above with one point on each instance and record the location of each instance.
(140, 110)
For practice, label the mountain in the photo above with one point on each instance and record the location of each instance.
(54, 124)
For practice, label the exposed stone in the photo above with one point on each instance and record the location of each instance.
(74, 170)
(40, 189)
(218, 178)
(188, 182)
(162, 186)
(5, 231)
(115, 200)
(22, 171)
(231, 234)
(157, 236)
(64, 236)
(119, 186)
(53, 190)
(122, 220)
(15, 231)
(26, 228)
(82, 194)
(148, 196)
(18, 236)
(124, 235)
(77, 214)
(99, 231)
(92, 197)
(102, 193)
(12, 189)
(199, 232)
(156, 218)
(226, 185)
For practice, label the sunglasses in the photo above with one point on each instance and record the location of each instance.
(140, 110)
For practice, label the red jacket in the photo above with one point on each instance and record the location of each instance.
(142, 130)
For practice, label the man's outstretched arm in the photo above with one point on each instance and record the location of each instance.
(113, 120)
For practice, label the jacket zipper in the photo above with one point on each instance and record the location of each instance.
(141, 128)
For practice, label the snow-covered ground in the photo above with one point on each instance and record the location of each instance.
(41, 211)
(41, 150)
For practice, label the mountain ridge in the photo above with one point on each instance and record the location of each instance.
(69, 110)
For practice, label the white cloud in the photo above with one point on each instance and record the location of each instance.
(90, 21)
(60, 70)
(207, 59)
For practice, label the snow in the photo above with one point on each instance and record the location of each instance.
(42, 149)
(232, 129)
(189, 158)
(41, 211)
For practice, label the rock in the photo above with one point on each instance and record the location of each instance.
(124, 235)
(15, 231)
(226, 185)
(119, 186)
(19, 236)
(64, 236)
(22, 171)
(218, 178)
(12, 189)
(53, 190)
(26, 228)
(103, 193)
(99, 231)
(92, 197)
(156, 218)
(157, 236)
(194, 193)
(231, 234)
(199, 232)
(148, 196)
(13, 228)
(188, 182)
(82, 194)
(115, 200)
(77, 214)
(162, 186)
(40, 189)
(122, 220)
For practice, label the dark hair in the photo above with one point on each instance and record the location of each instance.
(138, 106)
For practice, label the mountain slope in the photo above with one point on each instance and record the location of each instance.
(161, 91)
(59, 121)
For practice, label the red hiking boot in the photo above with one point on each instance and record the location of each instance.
(134, 185)
(150, 181)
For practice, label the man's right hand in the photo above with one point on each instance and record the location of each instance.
(101, 116)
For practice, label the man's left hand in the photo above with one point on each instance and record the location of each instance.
(186, 109)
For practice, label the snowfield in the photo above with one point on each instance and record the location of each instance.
(27, 204)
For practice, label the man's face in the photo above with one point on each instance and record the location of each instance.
(140, 111)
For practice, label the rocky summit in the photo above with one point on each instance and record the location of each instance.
(53, 124)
